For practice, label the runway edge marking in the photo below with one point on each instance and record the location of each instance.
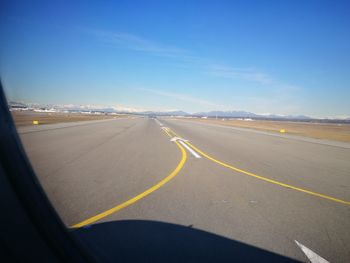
(139, 196)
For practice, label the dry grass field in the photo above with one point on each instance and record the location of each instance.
(25, 118)
(329, 131)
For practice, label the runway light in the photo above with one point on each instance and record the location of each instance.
(282, 130)
(35, 122)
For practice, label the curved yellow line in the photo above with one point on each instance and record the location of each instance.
(264, 178)
(138, 197)
(269, 180)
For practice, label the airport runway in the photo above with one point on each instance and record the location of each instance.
(263, 190)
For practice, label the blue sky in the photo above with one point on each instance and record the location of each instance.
(281, 57)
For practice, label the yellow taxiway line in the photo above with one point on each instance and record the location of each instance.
(262, 177)
(139, 196)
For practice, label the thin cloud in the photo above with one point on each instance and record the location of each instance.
(241, 73)
(186, 59)
(182, 97)
(133, 42)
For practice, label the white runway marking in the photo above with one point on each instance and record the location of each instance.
(312, 256)
(181, 140)
(190, 150)
(178, 139)
(160, 124)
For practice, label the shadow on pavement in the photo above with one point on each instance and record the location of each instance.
(150, 241)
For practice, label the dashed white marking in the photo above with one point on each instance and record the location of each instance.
(312, 256)
(157, 121)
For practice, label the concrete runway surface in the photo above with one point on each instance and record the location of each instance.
(276, 193)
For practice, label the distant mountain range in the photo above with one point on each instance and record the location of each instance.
(73, 107)
(122, 109)
(166, 113)
(229, 114)
(245, 114)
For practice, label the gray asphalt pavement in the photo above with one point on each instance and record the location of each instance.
(88, 168)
